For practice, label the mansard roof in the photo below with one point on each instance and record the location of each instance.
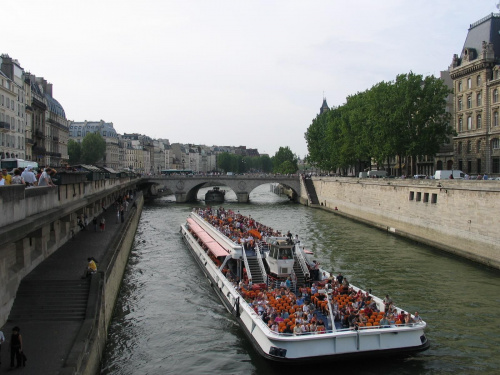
(54, 106)
(487, 30)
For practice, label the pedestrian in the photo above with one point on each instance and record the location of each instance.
(118, 215)
(28, 176)
(122, 213)
(17, 179)
(103, 224)
(94, 221)
(7, 177)
(16, 347)
(2, 340)
(45, 179)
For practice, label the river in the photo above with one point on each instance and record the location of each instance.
(168, 320)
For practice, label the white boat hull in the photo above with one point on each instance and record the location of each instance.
(337, 345)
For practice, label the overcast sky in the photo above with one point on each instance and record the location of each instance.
(233, 72)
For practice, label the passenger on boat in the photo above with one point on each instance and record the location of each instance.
(417, 318)
(297, 330)
(384, 322)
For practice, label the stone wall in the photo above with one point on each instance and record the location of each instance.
(35, 222)
(86, 353)
(454, 215)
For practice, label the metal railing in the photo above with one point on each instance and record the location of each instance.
(261, 263)
(302, 260)
(245, 260)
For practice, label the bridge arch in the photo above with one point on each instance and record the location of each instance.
(186, 188)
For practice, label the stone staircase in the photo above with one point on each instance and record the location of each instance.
(50, 300)
(311, 191)
(257, 277)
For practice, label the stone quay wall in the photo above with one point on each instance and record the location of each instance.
(37, 221)
(86, 353)
(461, 217)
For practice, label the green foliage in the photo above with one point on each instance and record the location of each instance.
(227, 162)
(284, 161)
(406, 117)
(74, 152)
(93, 148)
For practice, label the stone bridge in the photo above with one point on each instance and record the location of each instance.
(186, 188)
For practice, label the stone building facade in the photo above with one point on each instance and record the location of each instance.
(476, 86)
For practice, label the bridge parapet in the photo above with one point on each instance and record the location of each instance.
(185, 187)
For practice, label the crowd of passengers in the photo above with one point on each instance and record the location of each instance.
(305, 310)
(302, 315)
(235, 226)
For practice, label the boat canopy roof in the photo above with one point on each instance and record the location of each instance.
(213, 246)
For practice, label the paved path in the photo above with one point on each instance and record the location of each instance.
(47, 343)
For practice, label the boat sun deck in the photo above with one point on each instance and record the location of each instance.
(266, 281)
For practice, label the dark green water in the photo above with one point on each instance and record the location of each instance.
(169, 321)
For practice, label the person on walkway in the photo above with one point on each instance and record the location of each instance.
(122, 213)
(103, 224)
(28, 176)
(45, 179)
(16, 347)
(91, 267)
(2, 340)
(7, 177)
(94, 221)
(17, 179)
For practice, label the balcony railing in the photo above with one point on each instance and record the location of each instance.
(39, 134)
(29, 141)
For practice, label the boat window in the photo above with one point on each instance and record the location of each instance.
(272, 253)
(285, 253)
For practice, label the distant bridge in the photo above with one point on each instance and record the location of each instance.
(186, 188)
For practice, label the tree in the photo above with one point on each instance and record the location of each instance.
(93, 148)
(74, 151)
(284, 154)
(224, 161)
(267, 164)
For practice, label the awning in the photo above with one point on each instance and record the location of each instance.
(213, 246)
(216, 249)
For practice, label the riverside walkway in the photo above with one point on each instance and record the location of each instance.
(51, 302)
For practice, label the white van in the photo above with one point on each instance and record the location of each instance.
(363, 175)
(377, 174)
(445, 174)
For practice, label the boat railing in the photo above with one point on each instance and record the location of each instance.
(261, 263)
(247, 267)
(302, 260)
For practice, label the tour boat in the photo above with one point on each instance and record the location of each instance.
(272, 260)
(215, 195)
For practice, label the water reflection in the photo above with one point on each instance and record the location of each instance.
(169, 321)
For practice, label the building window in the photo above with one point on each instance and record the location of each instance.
(469, 146)
(460, 86)
(459, 104)
(419, 197)
(479, 99)
(495, 144)
(496, 165)
(478, 122)
(434, 198)
(461, 165)
(469, 123)
(495, 96)
(469, 83)
(478, 81)
(460, 124)
(469, 102)
(412, 195)
(478, 146)
(478, 166)
(459, 147)
(426, 197)
(495, 118)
